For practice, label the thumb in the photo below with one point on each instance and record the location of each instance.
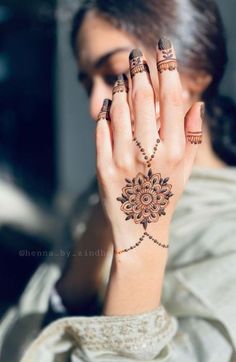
(193, 133)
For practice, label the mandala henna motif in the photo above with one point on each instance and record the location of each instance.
(145, 197)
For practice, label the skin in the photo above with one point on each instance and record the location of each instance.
(98, 66)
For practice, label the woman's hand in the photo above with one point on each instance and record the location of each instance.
(143, 158)
(143, 162)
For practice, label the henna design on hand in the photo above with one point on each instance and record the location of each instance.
(168, 62)
(147, 159)
(121, 84)
(137, 64)
(145, 197)
(194, 137)
(105, 111)
(145, 234)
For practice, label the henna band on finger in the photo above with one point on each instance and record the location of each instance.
(105, 111)
(121, 84)
(166, 65)
(137, 63)
(145, 234)
(194, 137)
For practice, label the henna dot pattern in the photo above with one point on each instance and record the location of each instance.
(147, 159)
(135, 245)
(145, 197)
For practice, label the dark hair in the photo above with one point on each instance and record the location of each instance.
(197, 31)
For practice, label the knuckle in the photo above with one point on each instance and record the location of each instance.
(104, 171)
(173, 96)
(175, 156)
(140, 160)
(141, 94)
(124, 163)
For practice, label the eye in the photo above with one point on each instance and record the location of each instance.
(110, 79)
(86, 83)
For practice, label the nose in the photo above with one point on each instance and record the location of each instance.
(100, 91)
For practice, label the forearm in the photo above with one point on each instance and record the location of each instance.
(136, 277)
(83, 274)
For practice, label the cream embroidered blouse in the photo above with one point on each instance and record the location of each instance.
(197, 319)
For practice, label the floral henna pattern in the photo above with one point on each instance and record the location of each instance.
(145, 197)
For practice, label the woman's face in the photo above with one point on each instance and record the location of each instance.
(103, 54)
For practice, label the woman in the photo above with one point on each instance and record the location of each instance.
(147, 140)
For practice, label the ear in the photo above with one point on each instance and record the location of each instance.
(196, 85)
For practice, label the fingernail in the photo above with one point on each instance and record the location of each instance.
(106, 104)
(122, 78)
(135, 53)
(164, 44)
(202, 111)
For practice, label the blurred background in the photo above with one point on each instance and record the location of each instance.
(45, 130)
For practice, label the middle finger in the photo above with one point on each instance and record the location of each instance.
(143, 100)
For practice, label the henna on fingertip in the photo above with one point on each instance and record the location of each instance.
(121, 85)
(137, 63)
(167, 59)
(104, 114)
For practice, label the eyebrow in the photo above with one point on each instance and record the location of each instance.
(104, 58)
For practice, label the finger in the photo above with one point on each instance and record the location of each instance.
(120, 117)
(104, 135)
(193, 132)
(170, 94)
(143, 99)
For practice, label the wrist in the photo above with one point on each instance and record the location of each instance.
(136, 281)
(134, 240)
